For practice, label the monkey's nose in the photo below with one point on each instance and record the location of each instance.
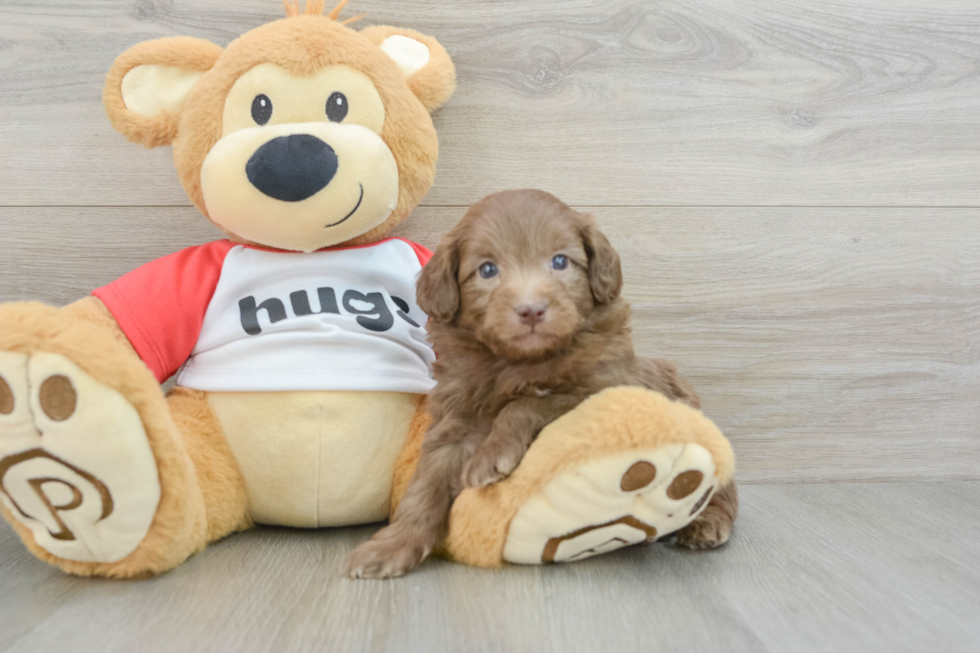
(531, 314)
(292, 168)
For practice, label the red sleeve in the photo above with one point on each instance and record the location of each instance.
(421, 251)
(161, 305)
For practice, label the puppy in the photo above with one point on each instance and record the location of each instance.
(527, 321)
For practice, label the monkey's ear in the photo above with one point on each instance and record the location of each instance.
(146, 86)
(424, 63)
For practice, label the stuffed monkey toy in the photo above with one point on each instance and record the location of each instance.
(301, 355)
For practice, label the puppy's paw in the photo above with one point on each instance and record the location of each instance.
(709, 531)
(385, 556)
(489, 466)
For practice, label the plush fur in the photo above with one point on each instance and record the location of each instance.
(182, 52)
(180, 526)
(301, 45)
(203, 496)
(221, 483)
(611, 421)
(203, 493)
(506, 371)
(409, 458)
(433, 84)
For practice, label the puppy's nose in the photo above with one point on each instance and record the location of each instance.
(531, 314)
(292, 168)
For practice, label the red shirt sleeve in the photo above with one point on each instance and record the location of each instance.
(421, 251)
(160, 306)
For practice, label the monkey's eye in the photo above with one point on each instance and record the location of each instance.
(261, 109)
(559, 262)
(337, 107)
(488, 270)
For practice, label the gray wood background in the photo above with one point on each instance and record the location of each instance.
(794, 186)
(827, 567)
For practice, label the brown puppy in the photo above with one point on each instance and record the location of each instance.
(527, 321)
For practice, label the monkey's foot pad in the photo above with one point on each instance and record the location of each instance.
(76, 468)
(611, 502)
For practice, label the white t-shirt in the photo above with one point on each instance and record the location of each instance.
(240, 318)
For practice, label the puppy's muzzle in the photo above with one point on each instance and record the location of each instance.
(292, 168)
(531, 314)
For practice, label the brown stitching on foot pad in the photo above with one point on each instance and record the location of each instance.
(6, 398)
(36, 483)
(76, 500)
(587, 552)
(697, 506)
(551, 548)
(639, 475)
(684, 484)
(58, 397)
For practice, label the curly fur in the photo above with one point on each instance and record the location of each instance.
(496, 391)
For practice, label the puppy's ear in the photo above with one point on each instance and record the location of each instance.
(605, 272)
(437, 290)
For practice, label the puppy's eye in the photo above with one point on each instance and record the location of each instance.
(337, 107)
(261, 109)
(559, 262)
(488, 270)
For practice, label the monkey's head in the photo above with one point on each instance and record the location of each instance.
(301, 134)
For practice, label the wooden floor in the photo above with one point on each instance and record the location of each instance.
(818, 567)
(794, 186)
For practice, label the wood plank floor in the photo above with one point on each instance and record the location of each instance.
(819, 567)
(827, 343)
(831, 102)
(794, 186)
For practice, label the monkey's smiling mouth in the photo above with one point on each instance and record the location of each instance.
(352, 212)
